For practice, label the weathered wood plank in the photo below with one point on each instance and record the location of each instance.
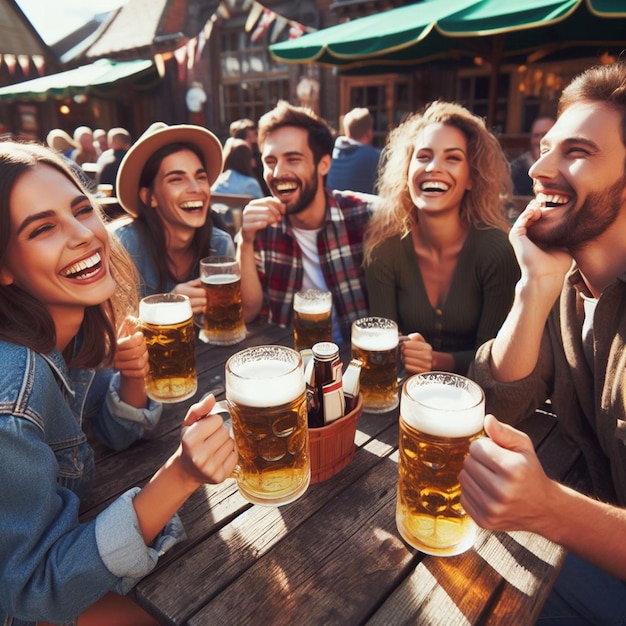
(227, 554)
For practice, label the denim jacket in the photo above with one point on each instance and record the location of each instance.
(51, 566)
(129, 235)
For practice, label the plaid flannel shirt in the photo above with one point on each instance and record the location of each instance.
(340, 246)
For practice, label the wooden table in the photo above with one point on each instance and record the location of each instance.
(334, 556)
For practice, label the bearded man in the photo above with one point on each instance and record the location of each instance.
(565, 339)
(303, 236)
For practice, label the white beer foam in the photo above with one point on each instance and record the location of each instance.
(375, 341)
(220, 279)
(312, 306)
(435, 410)
(318, 303)
(265, 383)
(165, 312)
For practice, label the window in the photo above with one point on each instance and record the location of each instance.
(473, 93)
(388, 99)
(252, 82)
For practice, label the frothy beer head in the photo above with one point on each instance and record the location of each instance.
(374, 334)
(443, 409)
(312, 301)
(158, 310)
(220, 279)
(264, 377)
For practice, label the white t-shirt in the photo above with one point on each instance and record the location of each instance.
(313, 277)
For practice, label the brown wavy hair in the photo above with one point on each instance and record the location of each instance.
(482, 207)
(600, 83)
(24, 320)
(320, 136)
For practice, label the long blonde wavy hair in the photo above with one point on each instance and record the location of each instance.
(482, 207)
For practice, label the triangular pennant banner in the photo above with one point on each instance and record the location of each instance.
(181, 57)
(253, 16)
(24, 61)
(296, 30)
(10, 61)
(191, 52)
(223, 11)
(40, 62)
(266, 19)
(280, 23)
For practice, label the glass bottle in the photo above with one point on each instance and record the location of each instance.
(324, 393)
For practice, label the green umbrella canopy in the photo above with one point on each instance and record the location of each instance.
(83, 79)
(450, 29)
(520, 31)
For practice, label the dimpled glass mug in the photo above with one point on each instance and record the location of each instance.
(266, 399)
(375, 343)
(440, 415)
(167, 324)
(223, 315)
(312, 318)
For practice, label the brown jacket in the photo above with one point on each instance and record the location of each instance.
(591, 407)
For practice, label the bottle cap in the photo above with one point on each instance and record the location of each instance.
(325, 350)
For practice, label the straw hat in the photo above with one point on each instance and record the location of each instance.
(156, 136)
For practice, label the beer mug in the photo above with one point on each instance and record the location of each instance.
(440, 415)
(223, 314)
(375, 343)
(312, 318)
(167, 324)
(266, 399)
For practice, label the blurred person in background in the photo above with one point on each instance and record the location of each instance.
(238, 175)
(522, 182)
(109, 161)
(85, 152)
(355, 161)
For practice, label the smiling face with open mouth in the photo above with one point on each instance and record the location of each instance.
(181, 191)
(59, 250)
(439, 172)
(580, 177)
(290, 170)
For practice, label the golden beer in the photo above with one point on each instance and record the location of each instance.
(167, 325)
(265, 390)
(375, 344)
(440, 415)
(312, 318)
(223, 313)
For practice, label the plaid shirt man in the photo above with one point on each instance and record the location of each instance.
(340, 246)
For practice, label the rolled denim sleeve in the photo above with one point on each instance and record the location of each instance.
(119, 424)
(121, 545)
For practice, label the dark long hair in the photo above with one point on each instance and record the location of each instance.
(151, 226)
(238, 157)
(24, 320)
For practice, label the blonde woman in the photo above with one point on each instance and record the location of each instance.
(438, 259)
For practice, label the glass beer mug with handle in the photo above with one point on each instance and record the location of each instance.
(312, 318)
(167, 324)
(440, 415)
(266, 399)
(223, 314)
(375, 343)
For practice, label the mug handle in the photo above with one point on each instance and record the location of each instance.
(222, 407)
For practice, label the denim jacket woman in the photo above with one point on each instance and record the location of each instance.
(72, 367)
(45, 411)
(132, 239)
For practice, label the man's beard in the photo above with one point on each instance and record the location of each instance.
(598, 212)
(307, 195)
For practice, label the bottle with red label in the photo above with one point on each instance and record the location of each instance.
(325, 400)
